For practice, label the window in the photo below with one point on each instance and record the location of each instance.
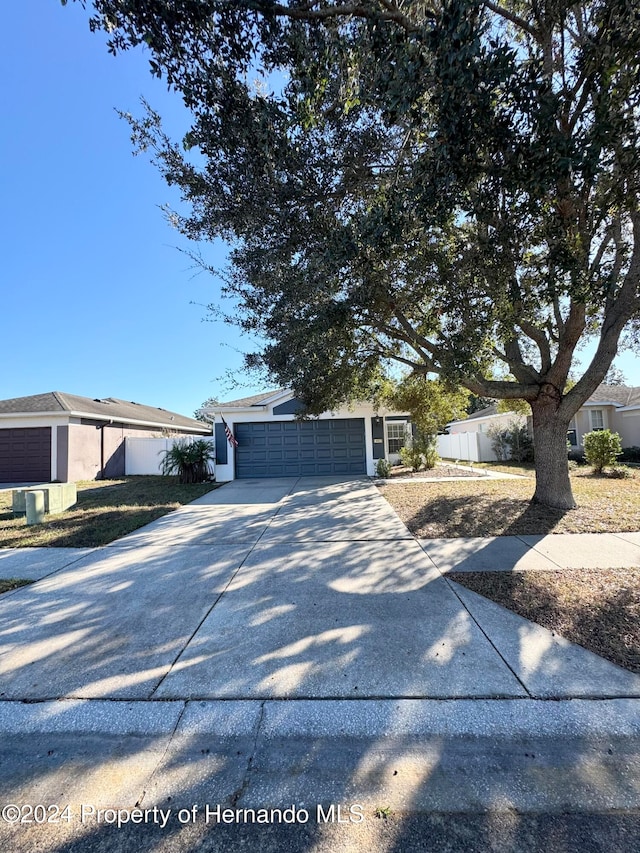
(396, 436)
(597, 419)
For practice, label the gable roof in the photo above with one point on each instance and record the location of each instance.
(254, 400)
(105, 408)
(620, 395)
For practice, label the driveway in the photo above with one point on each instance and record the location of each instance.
(278, 589)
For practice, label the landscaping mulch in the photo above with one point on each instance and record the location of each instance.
(502, 507)
(405, 473)
(105, 511)
(598, 609)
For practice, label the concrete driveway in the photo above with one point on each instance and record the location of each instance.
(288, 588)
(311, 591)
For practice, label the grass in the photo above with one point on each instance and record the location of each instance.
(6, 585)
(597, 609)
(502, 507)
(106, 510)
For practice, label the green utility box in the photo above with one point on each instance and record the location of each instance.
(57, 498)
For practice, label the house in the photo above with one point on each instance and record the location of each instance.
(59, 436)
(273, 442)
(614, 407)
(484, 419)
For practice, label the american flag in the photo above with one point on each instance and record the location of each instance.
(233, 441)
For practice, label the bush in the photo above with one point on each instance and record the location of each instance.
(601, 449)
(383, 468)
(192, 461)
(511, 442)
(520, 443)
(411, 457)
(620, 472)
(421, 452)
(630, 454)
(577, 456)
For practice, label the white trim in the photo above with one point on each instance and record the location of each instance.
(603, 403)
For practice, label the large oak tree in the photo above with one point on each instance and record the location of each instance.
(450, 185)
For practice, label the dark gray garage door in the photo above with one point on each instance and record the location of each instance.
(292, 448)
(25, 455)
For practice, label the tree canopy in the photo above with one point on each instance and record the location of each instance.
(452, 186)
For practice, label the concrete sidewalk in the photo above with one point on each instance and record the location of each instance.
(289, 640)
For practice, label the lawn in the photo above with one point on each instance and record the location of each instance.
(598, 609)
(106, 510)
(502, 507)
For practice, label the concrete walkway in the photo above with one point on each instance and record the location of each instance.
(288, 641)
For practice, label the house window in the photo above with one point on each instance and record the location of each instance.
(597, 419)
(396, 436)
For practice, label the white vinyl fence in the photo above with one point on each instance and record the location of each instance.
(145, 455)
(469, 446)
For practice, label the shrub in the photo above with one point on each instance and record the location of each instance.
(192, 461)
(601, 449)
(499, 443)
(383, 468)
(520, 443)
(421, 452)
(411, 457)
(577, 456)
(511, 442)
(620, 472)
(630, 454)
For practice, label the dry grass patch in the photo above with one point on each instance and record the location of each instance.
(106, 510)
(598, 609)
(502, 507)
(12, 583)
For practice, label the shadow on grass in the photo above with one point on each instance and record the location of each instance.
(595, 609)
(476, 514)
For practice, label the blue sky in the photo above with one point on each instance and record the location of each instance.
(96, 298)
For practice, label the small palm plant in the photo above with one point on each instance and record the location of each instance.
(192, 461)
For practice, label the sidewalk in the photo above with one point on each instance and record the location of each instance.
(291, 643)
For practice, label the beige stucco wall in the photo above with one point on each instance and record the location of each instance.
(628, 425)
(84, 457)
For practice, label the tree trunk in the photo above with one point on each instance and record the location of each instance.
(553, 486)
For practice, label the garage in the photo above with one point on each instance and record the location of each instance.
(297, 448)
(25, 455)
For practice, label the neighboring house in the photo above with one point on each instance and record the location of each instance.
(484, 419)
(56, 436)
(470, 438)
(614, 407)
(272, 442)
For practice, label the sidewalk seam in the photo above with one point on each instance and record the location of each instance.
(488, 639)
(239, 792)
(163, 756)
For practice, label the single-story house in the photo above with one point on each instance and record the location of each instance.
(614, 407)
(482, 421)
(59, 436)
(273, 442)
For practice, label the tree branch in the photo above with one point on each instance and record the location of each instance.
(512, 17)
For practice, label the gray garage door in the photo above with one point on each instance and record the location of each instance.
(291, 448)
(25, 455)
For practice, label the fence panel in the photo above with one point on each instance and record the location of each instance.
(145, 455)
(466, 446)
